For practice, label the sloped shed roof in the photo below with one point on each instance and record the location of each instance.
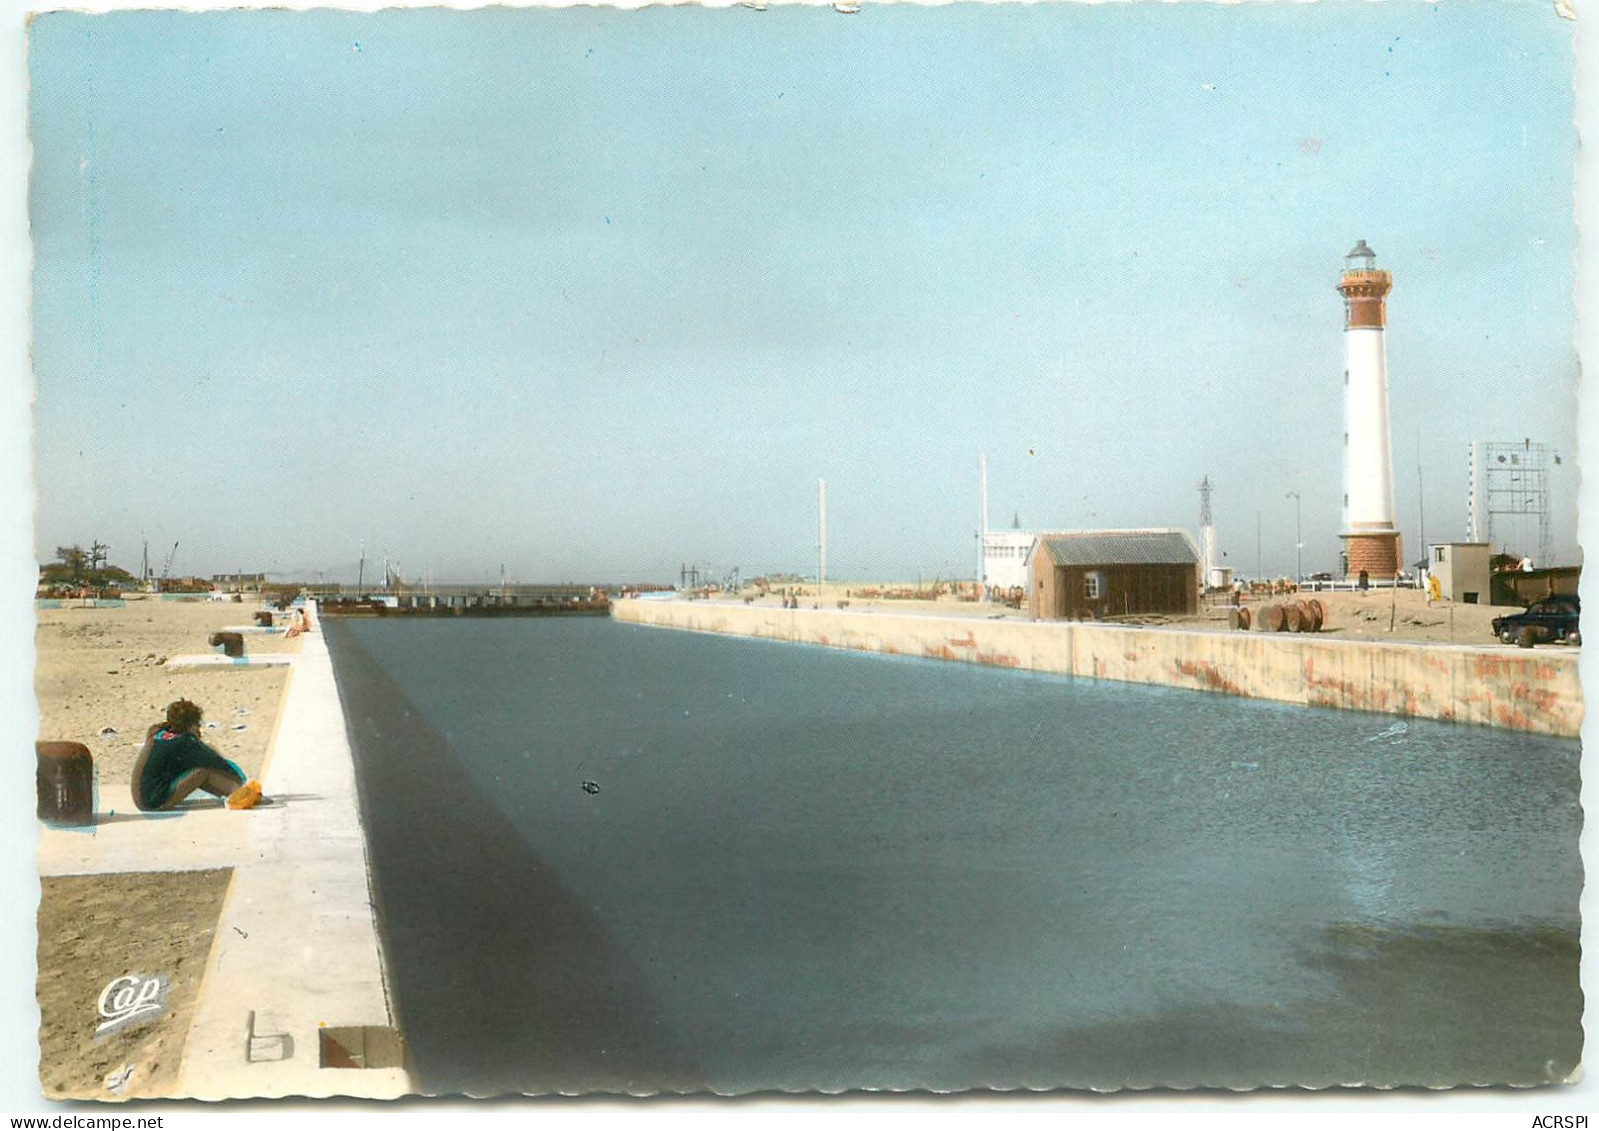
(1120, 547)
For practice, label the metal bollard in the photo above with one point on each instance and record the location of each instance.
(65, 781)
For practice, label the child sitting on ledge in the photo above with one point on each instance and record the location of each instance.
(174, 763)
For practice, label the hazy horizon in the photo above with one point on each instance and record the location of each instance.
(589, 293)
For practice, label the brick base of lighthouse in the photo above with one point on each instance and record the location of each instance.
(1377, 555)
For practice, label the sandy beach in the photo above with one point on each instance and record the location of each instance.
(100, 679)
(1376, 614)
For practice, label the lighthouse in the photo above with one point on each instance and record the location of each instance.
(1371, 542)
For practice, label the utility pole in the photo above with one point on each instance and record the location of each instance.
(360, 573)
(982, 532)
(1299, 541)
(1421, 504)
(1258, 575)
(821, 532)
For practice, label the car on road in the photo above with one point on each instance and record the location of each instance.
(1552, 619)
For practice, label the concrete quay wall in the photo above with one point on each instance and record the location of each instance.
(1536, 691)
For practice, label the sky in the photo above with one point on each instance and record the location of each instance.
(587, 294)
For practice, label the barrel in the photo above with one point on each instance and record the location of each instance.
(1292, 618)
(1243, 618)
(264, 618)
(65, 781)
(231, 643)
(1272, 618)
(1318, 613)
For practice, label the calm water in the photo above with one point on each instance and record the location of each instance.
(806, 869)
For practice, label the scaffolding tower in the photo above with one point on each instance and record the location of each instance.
(1509, 485)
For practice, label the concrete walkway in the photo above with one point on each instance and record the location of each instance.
(296, 948)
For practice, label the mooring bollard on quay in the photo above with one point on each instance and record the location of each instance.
(65, 783)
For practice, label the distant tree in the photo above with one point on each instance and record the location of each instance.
(76, 566)
(74, 558)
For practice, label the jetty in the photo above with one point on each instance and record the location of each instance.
(464, 601)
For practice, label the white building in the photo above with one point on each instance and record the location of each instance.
(1005, 558)
(1463, 570)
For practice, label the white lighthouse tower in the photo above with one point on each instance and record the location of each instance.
(1371, 542)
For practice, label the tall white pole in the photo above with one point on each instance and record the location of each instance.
(1299, 540)
(1473, 525)
(982, 532)
(821, 536)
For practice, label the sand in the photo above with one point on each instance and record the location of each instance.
(93, 929)
(1378, 614)
(100, 680)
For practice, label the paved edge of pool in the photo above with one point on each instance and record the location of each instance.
(295, 1000)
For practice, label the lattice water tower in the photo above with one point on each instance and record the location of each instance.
(1510, 493)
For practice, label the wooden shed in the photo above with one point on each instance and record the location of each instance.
(1517, 587)
(1091, 574)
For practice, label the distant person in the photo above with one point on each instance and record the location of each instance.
(301, 623)
(175, 762)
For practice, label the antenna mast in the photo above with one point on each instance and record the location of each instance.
(821, 532)
(982, 532)
(1421, 502)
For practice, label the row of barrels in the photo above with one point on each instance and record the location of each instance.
(1287, 616)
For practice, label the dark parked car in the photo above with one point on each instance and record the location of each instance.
(1553, 618)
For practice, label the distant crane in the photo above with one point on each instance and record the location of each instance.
(166, 568)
